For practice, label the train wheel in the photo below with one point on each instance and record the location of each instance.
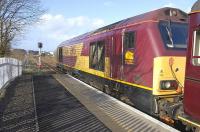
(117, 91)
(107, 89)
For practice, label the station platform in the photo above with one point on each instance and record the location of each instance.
(115, 114)
(60, 102)
(40, 103)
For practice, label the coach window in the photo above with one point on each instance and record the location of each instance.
(97, 55)
(196, 48)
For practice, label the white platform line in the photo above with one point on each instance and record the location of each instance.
(34, 103)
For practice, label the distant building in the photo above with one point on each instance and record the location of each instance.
(46, 53)
(52, 53)
(32, 52)
(43, 53)
(19, 51)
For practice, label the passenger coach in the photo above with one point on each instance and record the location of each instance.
(141, 60)
(191, 114)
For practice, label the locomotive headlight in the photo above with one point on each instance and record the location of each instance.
(168, 85)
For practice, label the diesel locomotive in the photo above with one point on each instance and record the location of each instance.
(140, 60)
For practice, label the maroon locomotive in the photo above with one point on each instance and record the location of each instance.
(141, 60)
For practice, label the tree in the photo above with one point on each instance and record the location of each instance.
(15, 16)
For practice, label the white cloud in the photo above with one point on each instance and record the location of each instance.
(170, 4)
(54, 29)
(78, 21)
(60, 28)
(188, 9)
(97, 23)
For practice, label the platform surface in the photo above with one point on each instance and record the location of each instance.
(59, 102)
(115, 114)
(41, 103)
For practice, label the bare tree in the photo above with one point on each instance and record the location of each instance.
(15, 16)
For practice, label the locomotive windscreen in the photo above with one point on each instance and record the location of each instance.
(174, 34)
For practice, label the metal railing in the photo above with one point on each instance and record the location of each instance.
(10, 68)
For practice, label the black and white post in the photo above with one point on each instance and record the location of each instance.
(40, 53)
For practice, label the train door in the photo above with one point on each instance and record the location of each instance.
(128, 56)
(60, 54)
(111, 56)
(107, 56)
(122, 53)
(115, 57)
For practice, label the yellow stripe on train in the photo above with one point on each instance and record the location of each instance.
(101, 74)
(161, 69)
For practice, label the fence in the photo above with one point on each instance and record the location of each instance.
(9, 69)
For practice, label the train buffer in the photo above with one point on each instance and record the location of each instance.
(60, 102)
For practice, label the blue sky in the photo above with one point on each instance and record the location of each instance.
(65, 19)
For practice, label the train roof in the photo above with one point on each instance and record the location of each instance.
(156, 15)
(196, 6)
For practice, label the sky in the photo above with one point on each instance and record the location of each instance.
(65, 19)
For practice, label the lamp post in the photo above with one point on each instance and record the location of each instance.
(40, 47)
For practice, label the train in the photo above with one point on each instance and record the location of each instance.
(190, 115)
(139, 60)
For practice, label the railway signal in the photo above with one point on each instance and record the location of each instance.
(40, 45)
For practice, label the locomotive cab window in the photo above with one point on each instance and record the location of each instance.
(97, 55)
(174, 34)
(129, 45)
(196, 48)
(129, 40)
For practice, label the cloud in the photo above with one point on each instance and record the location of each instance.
(188, 9)
(170, 4)
(54, 29)
(97, 23)
(60, 28)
